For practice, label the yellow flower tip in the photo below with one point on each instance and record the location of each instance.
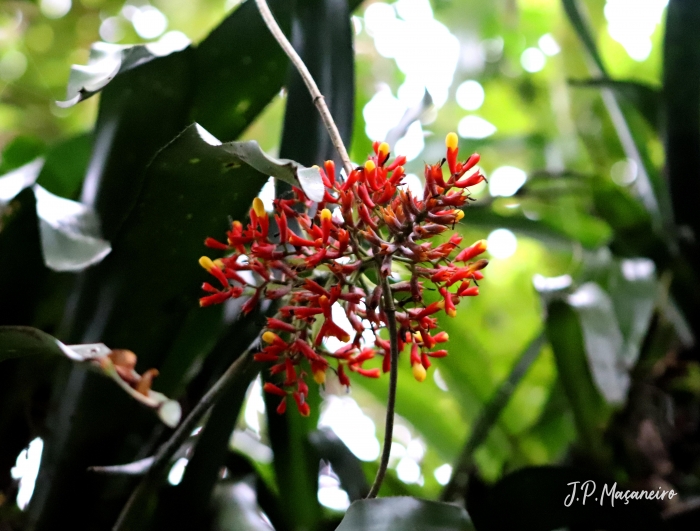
(441, 304)
(369, 165)
(218, 263)
(451, 141)
(269, 337)
(419, 372)
(206, 263)
(345, 338)
(417, 337)
(452, 312)
(483, 245)
(459, 214)
(258, 207)
(383, 149)
(320, 377)
(326, 215)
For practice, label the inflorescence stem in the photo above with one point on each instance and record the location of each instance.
(316, 95)
(389, 309)
(390, 312)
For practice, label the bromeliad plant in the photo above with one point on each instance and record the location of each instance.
(363, 225)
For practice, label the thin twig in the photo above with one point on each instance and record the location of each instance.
(316, 95)
(164, 454)
(390, 312)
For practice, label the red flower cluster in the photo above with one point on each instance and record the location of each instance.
(321, 257)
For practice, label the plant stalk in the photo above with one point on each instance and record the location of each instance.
(316, 95)
(390, 312)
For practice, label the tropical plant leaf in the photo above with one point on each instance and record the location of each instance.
(23, 342)
(69, 231)
(580, 24)
(401, 514)
(681, 79)
(566, 335)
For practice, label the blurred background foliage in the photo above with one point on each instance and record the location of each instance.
(576, 352)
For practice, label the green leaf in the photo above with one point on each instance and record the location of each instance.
(403, 514)
(20, 151)
(573, 11)
(681, 81)
(106, 61)
(69, 231)
(23, 342)
(141, 110)
(322, 35)
(603, 341)
(22, 271)
(633, 289)
(137, 298)
(65, 166)
(189, 189)
(566, 336)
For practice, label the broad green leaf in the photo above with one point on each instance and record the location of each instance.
(106, 61)
(681, 82)
(137, 299)
(634, 291)
(65, 166)
(141, 110)
(321, 33)
(565, 333)
(189, 189)
(403, 514)
(26, 342)
(69, 231)
(603, 341)
(22, 270)
(580, 24)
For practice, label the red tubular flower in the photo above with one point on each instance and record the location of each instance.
(470, 252)
(273, 389)
(319, 265)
